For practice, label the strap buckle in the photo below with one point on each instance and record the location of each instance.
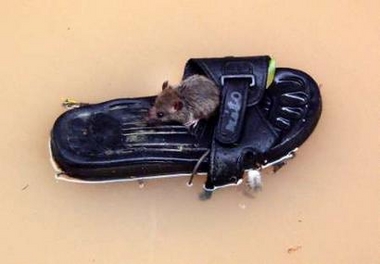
(238, 76)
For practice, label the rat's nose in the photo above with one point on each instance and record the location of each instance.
(150, 113)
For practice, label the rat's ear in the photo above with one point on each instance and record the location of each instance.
(165, 85)
(178, 105)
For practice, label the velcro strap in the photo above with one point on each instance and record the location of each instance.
(240, 128)
(237, 78)
(218, 70)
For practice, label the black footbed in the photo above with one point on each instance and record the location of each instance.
(111, 140)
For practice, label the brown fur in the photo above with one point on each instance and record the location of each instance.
(194, 98)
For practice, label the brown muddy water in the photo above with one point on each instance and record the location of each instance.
(323, 207)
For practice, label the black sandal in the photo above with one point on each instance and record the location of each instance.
(265, 115)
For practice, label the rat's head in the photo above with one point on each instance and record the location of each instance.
(167, 106)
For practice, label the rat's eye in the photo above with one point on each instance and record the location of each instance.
(160, 114)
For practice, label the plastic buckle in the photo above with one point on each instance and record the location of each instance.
(238, 76)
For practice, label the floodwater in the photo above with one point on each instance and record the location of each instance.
(323, 207)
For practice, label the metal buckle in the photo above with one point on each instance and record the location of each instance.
(237, 76)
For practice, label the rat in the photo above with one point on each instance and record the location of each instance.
(195, 98)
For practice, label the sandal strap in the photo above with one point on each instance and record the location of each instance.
(243, 82)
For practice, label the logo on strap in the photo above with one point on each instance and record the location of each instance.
(232, 110)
